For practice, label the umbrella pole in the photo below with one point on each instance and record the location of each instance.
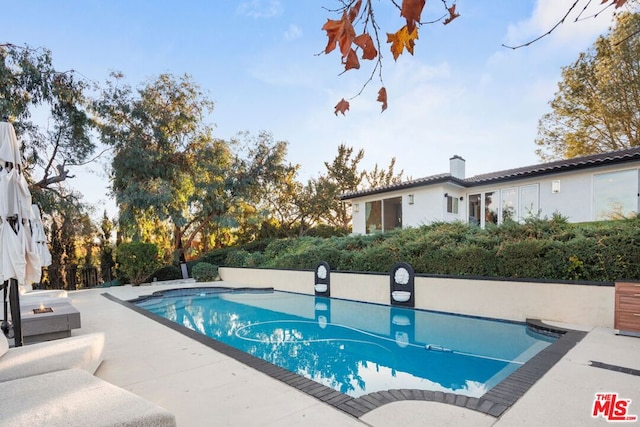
(5, 321)
(14, 297)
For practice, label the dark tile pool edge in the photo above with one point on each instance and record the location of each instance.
(494, 403)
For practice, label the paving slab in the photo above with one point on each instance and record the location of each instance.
(415, 413)
(203, 387)
(200, 386)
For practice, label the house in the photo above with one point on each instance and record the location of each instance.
(589, 188)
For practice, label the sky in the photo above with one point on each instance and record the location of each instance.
(262, 63)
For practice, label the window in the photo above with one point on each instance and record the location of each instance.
(509, 204)
(490, 208)
(392, 211)
(528, 206)
(373, 216)
(615, 194)
(452, 204)
(383, 215)
(485, 202)
(474, 209)
(512, 203)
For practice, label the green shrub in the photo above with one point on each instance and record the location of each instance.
(255, 260)
(204, 272)
(236, 258)
(137, 260)
(546, 248)
(168, 272)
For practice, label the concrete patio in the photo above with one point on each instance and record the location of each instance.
(203, 387)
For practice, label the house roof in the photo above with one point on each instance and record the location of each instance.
(565, 165)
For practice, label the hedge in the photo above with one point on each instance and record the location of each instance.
(539, 248)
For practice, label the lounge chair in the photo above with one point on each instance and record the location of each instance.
(82, 351)
(75, 398)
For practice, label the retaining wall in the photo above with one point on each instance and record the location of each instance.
(583, 304)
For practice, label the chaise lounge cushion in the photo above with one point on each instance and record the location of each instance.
(4, 344)
(72, 398)
(82, 351)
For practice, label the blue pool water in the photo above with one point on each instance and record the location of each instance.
(357, 348)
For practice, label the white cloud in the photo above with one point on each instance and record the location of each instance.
(260, 9)
(292, 33)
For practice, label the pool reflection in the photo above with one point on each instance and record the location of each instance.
(358, 348)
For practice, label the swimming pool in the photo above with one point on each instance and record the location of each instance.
(352, 347)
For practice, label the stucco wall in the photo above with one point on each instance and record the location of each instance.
(427, 206)
(569, 303)
(574, 200)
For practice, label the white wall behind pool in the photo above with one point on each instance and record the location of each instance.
(587, 305)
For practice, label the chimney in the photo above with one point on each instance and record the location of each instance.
(456, 167)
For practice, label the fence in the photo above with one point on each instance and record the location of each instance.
(72, 277)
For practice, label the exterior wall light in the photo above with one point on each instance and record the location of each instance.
(356, 207)
(411, 200)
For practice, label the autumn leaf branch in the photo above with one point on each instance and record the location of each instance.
(616, 3)
(341, 34)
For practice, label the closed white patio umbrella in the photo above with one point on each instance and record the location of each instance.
(39, 238)
(20, 263)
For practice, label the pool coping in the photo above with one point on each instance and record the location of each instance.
(494, 403)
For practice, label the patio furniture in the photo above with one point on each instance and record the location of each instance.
(82, 352)
(56, 321)
(74, 397)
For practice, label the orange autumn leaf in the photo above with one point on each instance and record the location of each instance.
(618, 3)
(452, 14)
(355, 11)
(364, 42)
(411, 11)
(382, 97)
(402, 39)
(340, 32)
(352, 61)
(341, 107)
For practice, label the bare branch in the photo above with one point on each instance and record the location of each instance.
(560, 22)
(63, 174)
(94, 158)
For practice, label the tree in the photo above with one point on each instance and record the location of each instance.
(365, 41)
(282, 205)
(169, 171)
(232, 192)
(342, 176)
(105, 237)
(29, 81)
(597, 106)
(379, 177)
(71, 233)
(137, 260)
(160, 141)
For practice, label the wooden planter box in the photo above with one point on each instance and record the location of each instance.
(627, 310)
